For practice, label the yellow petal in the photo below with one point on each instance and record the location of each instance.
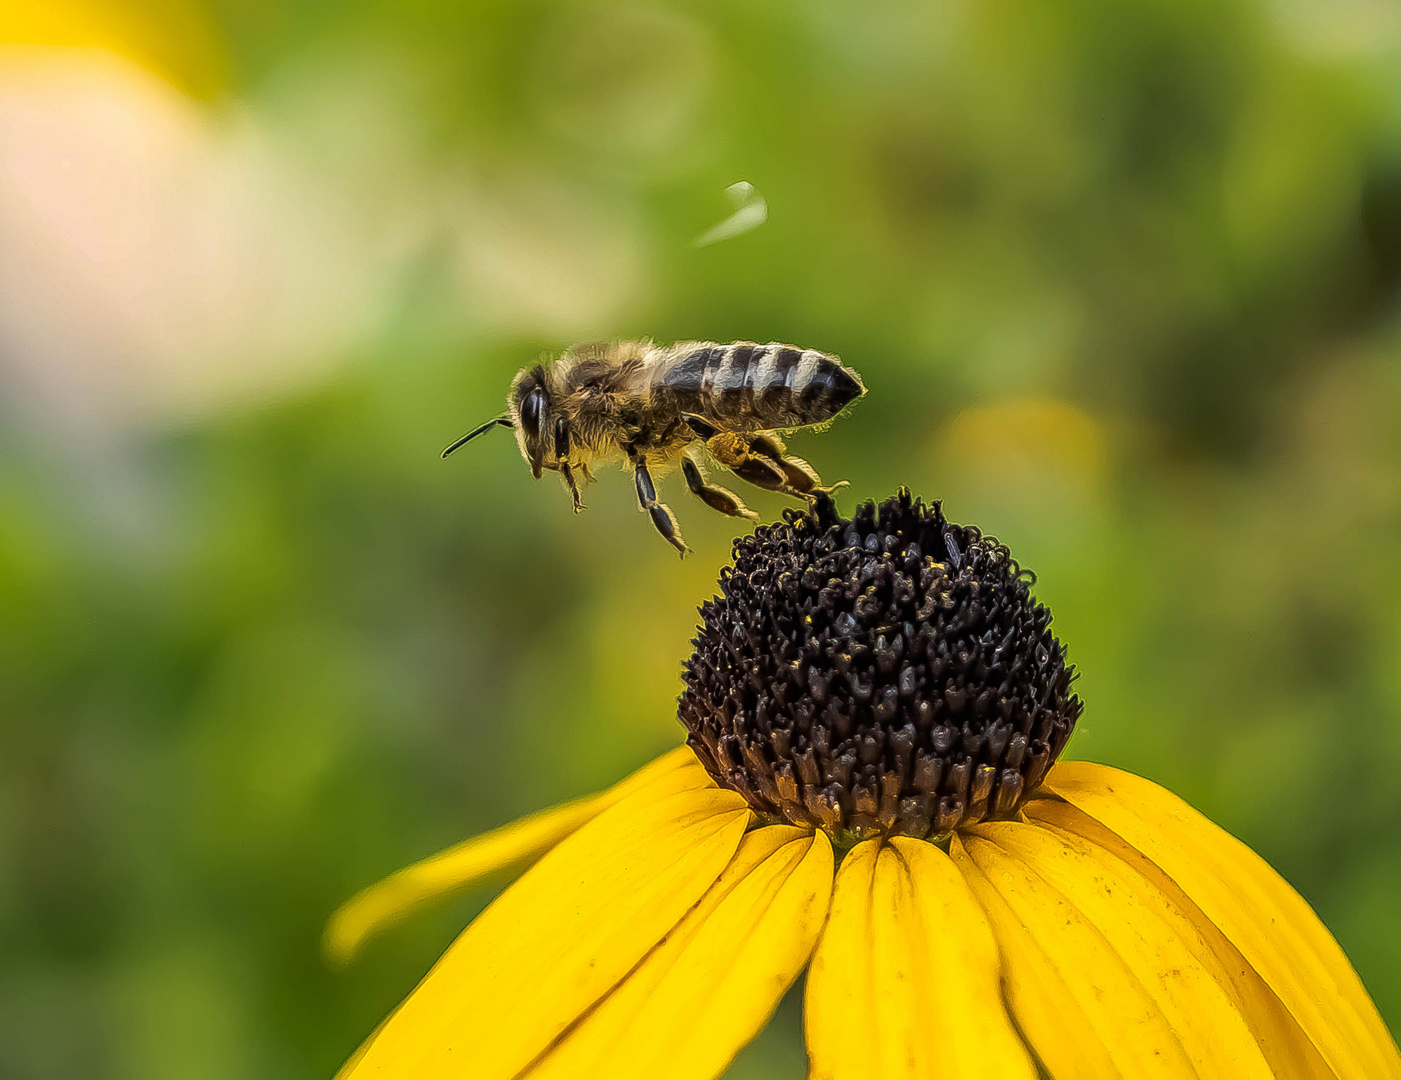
(552, 946)
(467, 863)
(905, 982)
(708, 988)
(1272, 926)
(1144, 981)
(1287, 1050)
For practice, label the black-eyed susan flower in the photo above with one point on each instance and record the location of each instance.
(869, 791)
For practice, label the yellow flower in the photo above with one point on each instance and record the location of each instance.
(176, 39)
(991, 915)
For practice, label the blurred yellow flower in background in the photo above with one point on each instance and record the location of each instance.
(1026, 443)
(175, 39)
(870, 792)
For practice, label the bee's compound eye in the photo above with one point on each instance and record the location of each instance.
(533, 412)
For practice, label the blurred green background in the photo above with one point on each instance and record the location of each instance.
(1122, 277)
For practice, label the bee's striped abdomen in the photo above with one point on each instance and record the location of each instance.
(759, 386)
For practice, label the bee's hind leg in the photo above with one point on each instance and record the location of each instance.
(717, 498)
(761, 459)
(732, 451)
(660, 513)
(802, 479)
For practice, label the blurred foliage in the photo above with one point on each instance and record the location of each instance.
(1122, 278)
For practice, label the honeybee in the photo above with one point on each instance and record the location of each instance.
(650, 406)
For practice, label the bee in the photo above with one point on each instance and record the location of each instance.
(649, 406)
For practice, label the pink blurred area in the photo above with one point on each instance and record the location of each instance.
(162, 257)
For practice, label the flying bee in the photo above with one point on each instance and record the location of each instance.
(650, 406)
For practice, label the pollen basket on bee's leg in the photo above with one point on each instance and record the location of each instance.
(890, 674)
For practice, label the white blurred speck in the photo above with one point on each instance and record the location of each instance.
(751, 211)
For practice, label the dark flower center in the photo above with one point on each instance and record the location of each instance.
(887, 675)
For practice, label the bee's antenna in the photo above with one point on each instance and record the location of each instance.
(502, 421)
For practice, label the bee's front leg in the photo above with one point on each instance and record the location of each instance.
(563, 438)
(573, 486)
(659, 512)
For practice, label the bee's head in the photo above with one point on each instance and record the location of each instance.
(531, 417)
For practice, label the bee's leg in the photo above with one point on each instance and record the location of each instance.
(700, 427)
(717, 498)
(568, 475)
(761, 459)
(759, 472)
(732, 451)
(802, 478)
(768, 444)
(660, 513)
(562, 440)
